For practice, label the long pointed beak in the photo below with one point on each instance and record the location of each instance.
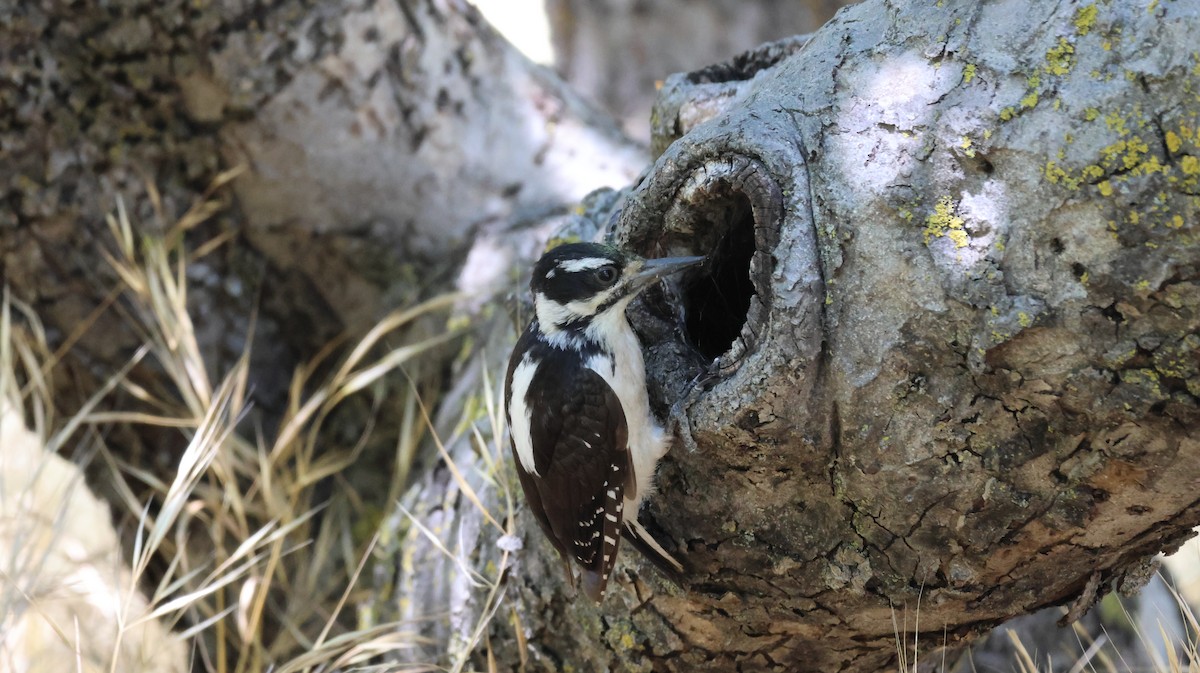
(663, 266)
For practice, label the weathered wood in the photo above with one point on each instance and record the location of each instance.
(616, 51)
(972, 338)
(378, 139)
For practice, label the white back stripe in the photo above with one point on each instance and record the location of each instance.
(522, 416)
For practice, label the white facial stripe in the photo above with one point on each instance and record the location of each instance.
(589, 307)
(551, 314)
(575, 265)
(522, 415)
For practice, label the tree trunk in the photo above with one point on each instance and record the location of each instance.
(377, 141)
(614, 51)
(947, 351)
(377, 138)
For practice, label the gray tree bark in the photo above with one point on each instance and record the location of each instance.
(953, 303)
(947, 352)
(378, 139)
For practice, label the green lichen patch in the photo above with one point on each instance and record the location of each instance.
(1057, 174)
(944, 221)
(1085, 19)
(1115, 122)
(1137, 152)
(1060, 58)
(1147, 380)
(1190, 166)
(1173, 141)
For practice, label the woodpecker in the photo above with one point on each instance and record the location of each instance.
(582, 436)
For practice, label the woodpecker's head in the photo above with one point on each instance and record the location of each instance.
(577, 285)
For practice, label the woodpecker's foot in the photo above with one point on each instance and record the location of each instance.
(678, 417)
(683, 428)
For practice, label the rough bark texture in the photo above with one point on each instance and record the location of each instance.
(953, 304)
(614, 51)
(378, 138)
(947, 351)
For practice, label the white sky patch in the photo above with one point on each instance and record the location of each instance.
(524, 24)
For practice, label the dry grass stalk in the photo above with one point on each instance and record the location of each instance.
(228, 545)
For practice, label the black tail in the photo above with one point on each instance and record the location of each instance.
(641, 539)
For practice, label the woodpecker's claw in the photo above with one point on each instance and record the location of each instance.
(678, 416)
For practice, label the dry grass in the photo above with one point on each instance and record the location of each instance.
(227, 546)
(1095, 651)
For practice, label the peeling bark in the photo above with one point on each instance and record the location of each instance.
(948, 353)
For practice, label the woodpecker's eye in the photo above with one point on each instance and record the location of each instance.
(607, 274)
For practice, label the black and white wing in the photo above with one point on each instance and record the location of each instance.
(578, 447)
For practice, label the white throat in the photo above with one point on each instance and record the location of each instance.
(611, 329)
(607, 328)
